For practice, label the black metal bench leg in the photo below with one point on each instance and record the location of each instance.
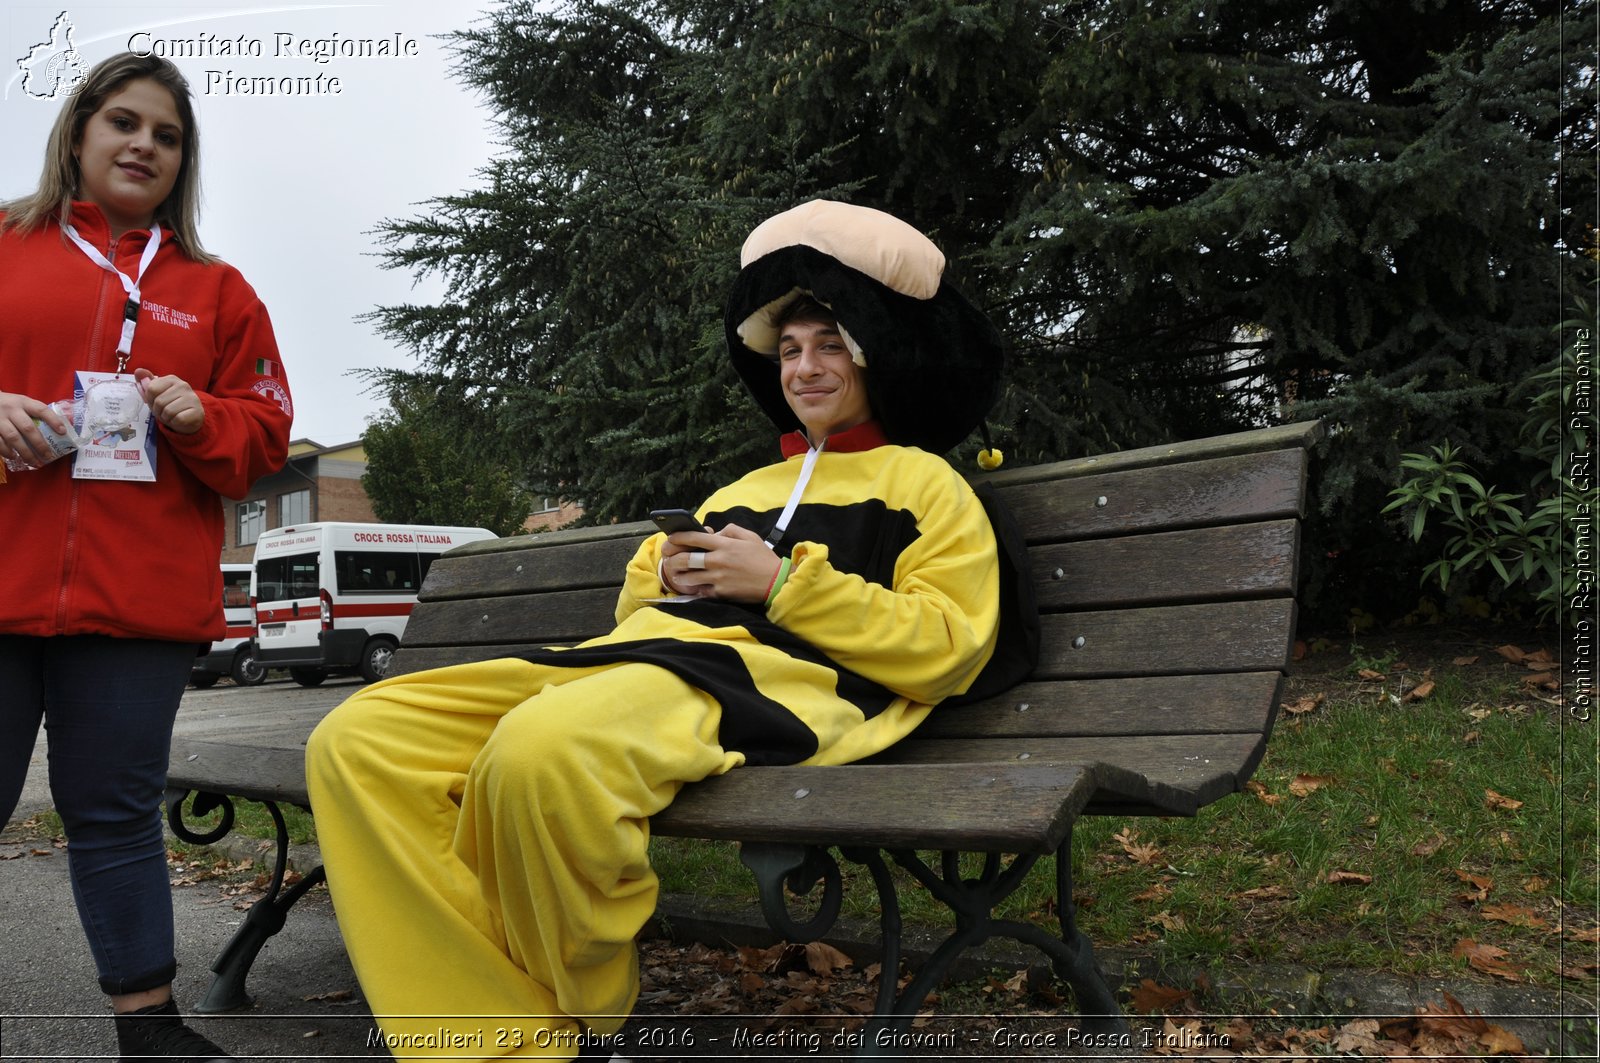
(1096, 1003)
(232, 966)
(972, 900)
(889, 923)
(264, 919)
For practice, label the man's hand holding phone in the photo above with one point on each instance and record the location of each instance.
(733, 564)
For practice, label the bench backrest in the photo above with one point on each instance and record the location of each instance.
(1165, 579)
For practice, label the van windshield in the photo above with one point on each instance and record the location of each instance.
(281, 578)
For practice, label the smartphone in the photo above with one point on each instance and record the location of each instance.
(676, 520)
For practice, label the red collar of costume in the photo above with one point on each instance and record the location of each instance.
(864, 436)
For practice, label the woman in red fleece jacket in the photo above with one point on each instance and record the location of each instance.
(110, 578)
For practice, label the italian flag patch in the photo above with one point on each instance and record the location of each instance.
(266, 367)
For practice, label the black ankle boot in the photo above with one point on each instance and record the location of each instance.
(157, 1032)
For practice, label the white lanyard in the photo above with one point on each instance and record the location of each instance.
(130, 309)
(776, 535)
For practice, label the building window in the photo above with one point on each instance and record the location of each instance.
(294, 507)
(252, 520)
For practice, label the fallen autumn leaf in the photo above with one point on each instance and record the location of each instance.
(1429, 846)
(1349, 878)
(1304, 785)
(1419, 692)
(1494, 800)
(1150, 997)
(1489, 959)
(1511, 913)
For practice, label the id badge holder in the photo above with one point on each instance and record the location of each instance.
(117, 429)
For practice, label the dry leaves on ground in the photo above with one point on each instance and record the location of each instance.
(1514, 914)
(1429, 846)
(1494, 800)
(1305, 785)
(1128, 838)
(1480, 887)
(1439, 1029)
(792, 990)
(1542, 663)
(1349, 878)
(1420, 691)
(1262, 794)
(1490, 959)
(1305, 704)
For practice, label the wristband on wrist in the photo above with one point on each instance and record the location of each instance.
(778, 578)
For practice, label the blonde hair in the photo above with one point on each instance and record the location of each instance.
(60, 180)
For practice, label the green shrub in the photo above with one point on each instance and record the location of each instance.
(1519, 535)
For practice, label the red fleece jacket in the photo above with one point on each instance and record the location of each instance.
(125, 559)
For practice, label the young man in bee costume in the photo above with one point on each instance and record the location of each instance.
(485, 826)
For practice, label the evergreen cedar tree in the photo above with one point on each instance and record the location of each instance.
(1185, 218)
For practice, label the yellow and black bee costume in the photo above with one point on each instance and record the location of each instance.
(485, 827)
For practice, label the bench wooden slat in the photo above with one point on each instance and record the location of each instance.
(581, 564)
(1239, 561)
(1195, 769)
(1209, 564)
(411, 658)
(254, 772)
(1231, 490)
(863, 804)
(1194, 639)
(534, 619)
(1189, 639)
(1207, 704)
(1300, 435)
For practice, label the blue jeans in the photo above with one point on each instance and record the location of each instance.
(107, 706)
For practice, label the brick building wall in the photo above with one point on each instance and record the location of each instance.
(317, 483)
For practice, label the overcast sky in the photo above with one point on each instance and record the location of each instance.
(293, 184)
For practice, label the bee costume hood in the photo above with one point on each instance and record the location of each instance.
(932, 359)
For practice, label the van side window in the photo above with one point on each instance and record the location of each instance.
(375, 572)
(281, 578)
(235, 589)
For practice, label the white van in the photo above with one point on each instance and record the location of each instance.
(335, 597)
(234, 654)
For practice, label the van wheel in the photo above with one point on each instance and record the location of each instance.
(202, 680)
(376, 659)
(247, 670)
(308, 677)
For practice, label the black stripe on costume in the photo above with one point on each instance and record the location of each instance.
(864, 538)
(765, 731)
(866, 695)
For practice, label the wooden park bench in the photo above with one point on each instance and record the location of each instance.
(1166, 584)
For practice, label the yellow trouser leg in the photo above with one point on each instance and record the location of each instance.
(484, 830)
